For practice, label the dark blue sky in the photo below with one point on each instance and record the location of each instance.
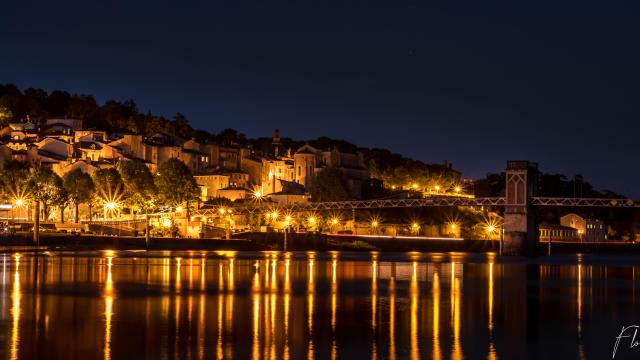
(476, 83)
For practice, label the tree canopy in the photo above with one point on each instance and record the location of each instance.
(139, 187)
(329, 185)
(46, 188)
(79, 186)
(175, 183)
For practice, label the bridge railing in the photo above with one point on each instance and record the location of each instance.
(363, 204)
(584, 202)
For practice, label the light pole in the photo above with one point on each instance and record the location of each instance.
(227, 219)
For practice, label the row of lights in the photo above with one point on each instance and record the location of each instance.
(457, 189)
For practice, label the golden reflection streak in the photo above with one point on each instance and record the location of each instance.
(374, 306)
(435, 299)
(176, 317)
(579, 303)
(287, 288)
(272, 311)
(191, 273)
(231, 279)
(201, 334)
(166, 282)
(415, 350)
(334, 288)
(202, 273)
(108, 310)
(256, 316)
(178, 268)
(274, 283)
(492, 350)
(15, 311)
(310, 351)
(219, 352)
(392, 312)
(228, 318)
(490, 297)
(220, 278)
(456, 351)
(166, 272)
(287, 278)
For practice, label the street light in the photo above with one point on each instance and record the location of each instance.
(437, 187)
(111, 205)
(19, 202)
(179, 209)
(457, 189)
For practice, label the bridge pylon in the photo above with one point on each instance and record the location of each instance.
(520, 223)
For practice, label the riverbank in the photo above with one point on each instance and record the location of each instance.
(295, 242)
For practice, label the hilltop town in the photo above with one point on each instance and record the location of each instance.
(64, 132)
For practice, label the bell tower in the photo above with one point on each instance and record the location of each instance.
(276, 143)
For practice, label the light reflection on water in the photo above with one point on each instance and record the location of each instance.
(312, 305)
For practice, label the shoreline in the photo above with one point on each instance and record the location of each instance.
(256, 242)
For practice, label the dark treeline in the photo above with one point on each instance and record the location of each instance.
(549, 185)
(623, 223)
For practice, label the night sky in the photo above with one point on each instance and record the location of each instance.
(475, 83)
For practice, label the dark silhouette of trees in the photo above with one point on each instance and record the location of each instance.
(139, 187)
(47, 190)
(79, 187)
(176, 186)
(329, 185)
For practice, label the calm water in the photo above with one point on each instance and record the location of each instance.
(342, 305)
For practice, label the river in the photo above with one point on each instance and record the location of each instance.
(181, 305)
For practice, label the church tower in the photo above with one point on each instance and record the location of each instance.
(276, 143)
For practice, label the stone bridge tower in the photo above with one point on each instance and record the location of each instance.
(520, 225)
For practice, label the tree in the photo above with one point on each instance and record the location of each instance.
(14, 184)
(47, 190)
(329, 185)
(109, 190)
(79, 187)
(176, 186)
(139, 187)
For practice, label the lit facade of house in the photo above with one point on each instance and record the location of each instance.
(588, 229)
(211, 184)
(555, 232)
